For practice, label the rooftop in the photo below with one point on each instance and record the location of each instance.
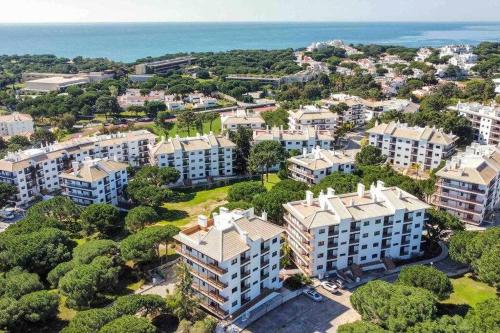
(402, 130)
(277, 133)
(199, 142)
(15, 116)
(321, 158)
(91, 170)
(229, 233)
(330, 209)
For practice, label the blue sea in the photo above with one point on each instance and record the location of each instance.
(130, 41)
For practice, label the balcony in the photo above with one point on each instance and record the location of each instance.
(244, 260)
(205, 277)
(460, 188)
(211, 267)
(210, 294)
(244, 287)
(264, 276)
(264, 262)
(264, 249)
(215, 310)
(244, 273)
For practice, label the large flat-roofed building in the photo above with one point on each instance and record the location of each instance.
(162, 66)
(16, 124)
(308, 137)
(242, 118)
(312, 167)
(234, 259)
(334, 232)
(310, 115)
(94, 181)
(55, 83)
(485, 121)
(406, 146)
(36, 171)
(198, 159)
(468, 185)
(91, 76)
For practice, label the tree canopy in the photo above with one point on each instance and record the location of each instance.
(428, 278)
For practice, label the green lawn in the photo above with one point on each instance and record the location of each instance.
(202, 202)
(174, 130)
(271, 181)
(470, 292)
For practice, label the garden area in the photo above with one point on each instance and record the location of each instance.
(469, 291)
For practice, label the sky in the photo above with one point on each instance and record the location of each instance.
(22, 11)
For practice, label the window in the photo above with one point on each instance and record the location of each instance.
(255, 282)
(321, 231)
(319, 267)
(320, 255)
(256, 268)
(414, 248)
(376, 233)
(415, 236)
(274, 279)
(235, 289)
(363, 258)
(234, 276)
(274, 266)
(275, 253)
(275, 240)
(364, 247)
(365, 235)
(374, 256)
(234, 303)
(344, 231)
(321, 243)
(375, 244)
(366, 223)
(234, 261)
(378, 221)
(417, 225)
(419, 214)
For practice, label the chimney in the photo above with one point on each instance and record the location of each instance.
(322, 200)
(361, 190)
(75, 165)
(304, 152)
(330, 192)
(399, 193)
(380, 184)
(202, 221)
(309, 198)
(264, 215)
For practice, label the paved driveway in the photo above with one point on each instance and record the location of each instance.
(303, 315)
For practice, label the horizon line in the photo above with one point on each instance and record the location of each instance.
(249, 21)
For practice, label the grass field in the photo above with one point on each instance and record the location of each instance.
(203, 202)
(470, 292)
(175, 130)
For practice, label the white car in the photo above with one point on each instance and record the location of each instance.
(312, 294)
(331, 287)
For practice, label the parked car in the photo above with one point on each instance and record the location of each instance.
(312, 294)
(339, 282)
(330, 286)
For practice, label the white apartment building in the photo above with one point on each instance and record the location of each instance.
(36, 171)
(333, 232)
(312, 167)
(16, 124)
(94, 181)
(174, 103)
(134, 97)
(406, 146)
(198, 159)
(485, 120)
(422, 54)
(310, 115)
(308, 137)
(469, 184)
(233, 259)
(242, 118)
(206, 102)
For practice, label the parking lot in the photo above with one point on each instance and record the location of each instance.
(303, 315)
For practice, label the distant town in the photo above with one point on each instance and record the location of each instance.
(252, 191)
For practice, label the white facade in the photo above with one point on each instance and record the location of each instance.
(310, 115)
(16, 124)
(308, 138)
(94, 181)
(469, 184)
(312, 167)
(198, 159)
(333, 232)
(485, 120)
(133, 97)
(36, 171)
(233, 259)
(406, 146)
(55, 83)
(242, 118)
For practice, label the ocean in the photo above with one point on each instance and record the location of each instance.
(128, 42)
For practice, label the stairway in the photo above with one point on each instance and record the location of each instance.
(388, 263)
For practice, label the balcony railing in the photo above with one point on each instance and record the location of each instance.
(245, 260)
(264, 262)
(215, 310)
(244, 273)
(210, 294)
(264, 275)
(205, 277)
(218, 270)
